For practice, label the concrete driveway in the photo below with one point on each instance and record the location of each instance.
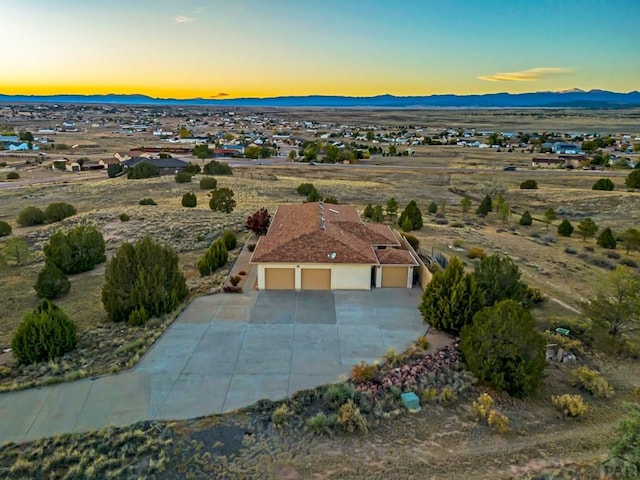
(227, 351)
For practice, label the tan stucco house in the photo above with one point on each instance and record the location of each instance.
(316, 246)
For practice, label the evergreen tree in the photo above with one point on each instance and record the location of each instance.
(142, 280)
(368, 211)
(485, 206)
(378, 214)
(451, 299)
(79, 250)
(603, 184)
(432, 208)
(59, 211)
(587, 228)
(5, 229)
(550, 216)
(413, 214)
(189, 200)
(465, 204)
(502, 348)
(607, 239)
(215, 257)
(222, 200)
(526, 219)
(565, 228)
(51, 282)
(392, 208)
(499, 279)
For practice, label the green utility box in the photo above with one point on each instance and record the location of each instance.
(563, 331)
(411, 401)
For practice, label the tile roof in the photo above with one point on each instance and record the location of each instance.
(394, 256)
(296, 236)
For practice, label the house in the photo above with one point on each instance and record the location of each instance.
(565, 148)
(317, 246)
(547, 162)
(167, 166)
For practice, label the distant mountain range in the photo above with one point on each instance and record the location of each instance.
(573, 98)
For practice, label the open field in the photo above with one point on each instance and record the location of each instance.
(441, 441)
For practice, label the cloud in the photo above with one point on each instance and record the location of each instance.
(183, 19)
(531, 75)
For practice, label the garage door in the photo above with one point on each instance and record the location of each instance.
(394, 276)
(280, 278)
(316, 279)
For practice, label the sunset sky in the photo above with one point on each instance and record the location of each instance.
(264, 48)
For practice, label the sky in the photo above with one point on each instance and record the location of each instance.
(266, 48)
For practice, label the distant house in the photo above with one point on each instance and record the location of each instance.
(20, 146)
(547, 162)
(9, 139)
(565, 148)
(167, 166)
(239, 149)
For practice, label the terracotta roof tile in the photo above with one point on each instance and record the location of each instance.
(296, 235)
(394, 256)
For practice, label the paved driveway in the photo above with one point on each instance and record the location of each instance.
(226, 351)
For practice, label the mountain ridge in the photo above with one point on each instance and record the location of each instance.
(571, 98)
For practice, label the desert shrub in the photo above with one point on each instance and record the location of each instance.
(432, 208)
(422, 342)
(441, 221)
(529, 185)
(183, 177)
(44, 334)
(406, 225)
(613, 255)
(314, 196)
(589, 248)
(413, 241)
(337, 394)
(113, 169)
(476, 252)
(232, 289)
(570, 250)
(592, 382)
(215, 257)
(482, 405)
(143, 170)
(251, 247)
(3, 164)
(569, 405)
(603, 184)
(351, 419)
(572, 345)
(79, 250)
(13, 176)
(447, 395)
(305, 188)
(534, 296)
(258, 223)
(392, 358)
(208, 183)
(498, 421)
(30, 216)
(565, 228)
(362, 372)
(320, 423)
(280, 415)
(147, 201)
(235, 280)
(217, 168)
(489, 342)
(5, 229)
(189, 200)
(142, 275)
(602, 263)
(59, 211)
(124, 217)
(331, 200)
(230, 240)
(429, 395)
(52, 282)
(525, 219)
(221, 200)
(627, 262)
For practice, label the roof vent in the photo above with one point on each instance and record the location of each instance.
(334, 211)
